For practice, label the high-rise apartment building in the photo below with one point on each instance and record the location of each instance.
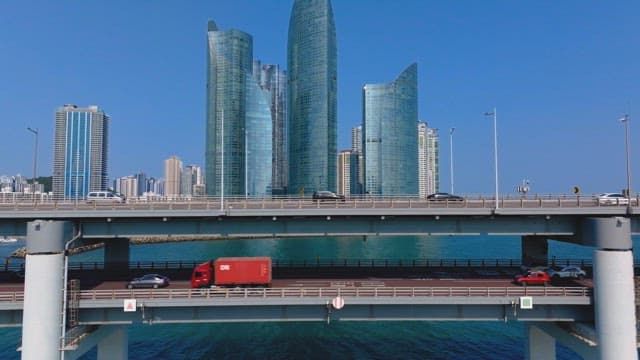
(238, 111)
(272, 78)
(172, 176)
(127, 185)
(428, 160)
(344, 172)
(312, 98)
(357, 162)
(390, 146)
(80, 151)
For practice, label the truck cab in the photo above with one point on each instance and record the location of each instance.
(202, 275)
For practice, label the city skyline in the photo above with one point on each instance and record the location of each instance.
(560, 75)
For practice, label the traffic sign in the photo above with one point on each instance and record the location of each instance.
(129, 305)
(337, 302)
(526, 302)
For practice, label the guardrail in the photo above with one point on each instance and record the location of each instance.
(292, 202)
(333, 292)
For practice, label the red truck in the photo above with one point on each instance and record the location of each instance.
(233, 271)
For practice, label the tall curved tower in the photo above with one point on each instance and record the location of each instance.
(390, 144)
(312, 100)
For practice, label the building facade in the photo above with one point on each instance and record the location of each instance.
(258, 140)
(390, 115)
(80, 151)
(312, 97)
(428, 160)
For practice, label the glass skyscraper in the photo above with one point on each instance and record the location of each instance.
(80, 151)
(272, 78)
(258, 140)
(312, 99)
(390, 145)
(230, 95)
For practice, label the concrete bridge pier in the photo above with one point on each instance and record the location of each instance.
(111, 342)
(540, 345)
(116, 256)
(535, 250)
(614, 295)
(44, 289)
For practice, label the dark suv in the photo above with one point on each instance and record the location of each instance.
(327, 195)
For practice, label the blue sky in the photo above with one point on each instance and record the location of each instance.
(560, 74)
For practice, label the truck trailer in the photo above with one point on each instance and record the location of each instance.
(233, 271)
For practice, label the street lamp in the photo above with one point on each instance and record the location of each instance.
(494, 113)
(35, 159)
(625, 121)
(451, 155)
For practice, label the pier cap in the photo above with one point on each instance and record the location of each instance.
(46, 236)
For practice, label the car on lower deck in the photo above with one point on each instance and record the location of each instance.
(533, 278)
(149, 281)
(567, 272)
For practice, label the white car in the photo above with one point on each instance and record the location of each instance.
(612, 199)
(568, 272)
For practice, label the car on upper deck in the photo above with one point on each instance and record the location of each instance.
(327, 195)
(611, 199)
(442, 196)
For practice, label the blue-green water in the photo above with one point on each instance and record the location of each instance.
(318, 340)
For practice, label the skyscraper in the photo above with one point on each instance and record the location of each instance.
(172, 176)
(428, 160)
(80, 151)
(390, 144)
(272, 78)
(236, 109)
(312, 99)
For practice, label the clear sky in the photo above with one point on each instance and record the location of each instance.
(560, 74)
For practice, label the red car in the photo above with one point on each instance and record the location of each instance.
(533, 277)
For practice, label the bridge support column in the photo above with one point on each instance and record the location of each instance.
(44, 289)
(540, 346)
(115, 345)
(535, 250)
(614, 297)
(116, 256)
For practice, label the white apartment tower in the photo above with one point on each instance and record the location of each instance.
(344, 172)
(428, 160)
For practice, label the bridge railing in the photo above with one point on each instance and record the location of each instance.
(11, 201)
(332, 292)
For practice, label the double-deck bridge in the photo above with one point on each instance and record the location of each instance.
(600, 313)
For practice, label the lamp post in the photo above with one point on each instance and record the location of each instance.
(625, 121)
(451, 155)
(494, 113)
(35, 159)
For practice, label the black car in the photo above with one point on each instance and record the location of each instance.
(327, 195)
(440, 196)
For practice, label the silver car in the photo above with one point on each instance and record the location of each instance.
(568, 272)
(612, 199)
(149, 281)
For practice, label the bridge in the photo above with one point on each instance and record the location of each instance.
(598, 315)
